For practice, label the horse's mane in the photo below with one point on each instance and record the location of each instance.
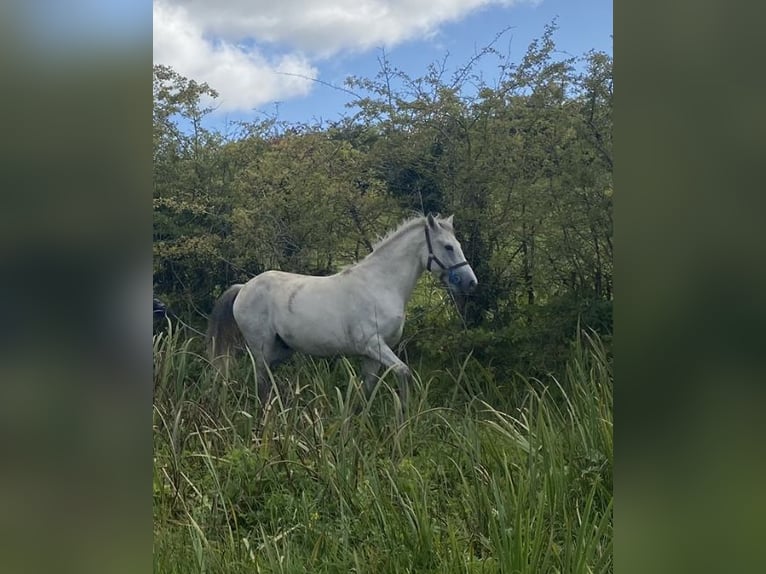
(414, 221)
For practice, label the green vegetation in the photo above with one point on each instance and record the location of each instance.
(472, 478)
(523, 160)
(503, 461)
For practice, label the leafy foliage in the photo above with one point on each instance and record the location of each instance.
(472, 479)
(524, 163)
(504, 461)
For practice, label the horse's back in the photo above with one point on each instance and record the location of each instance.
(272, 292)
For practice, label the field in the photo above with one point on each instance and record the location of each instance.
(477, 476)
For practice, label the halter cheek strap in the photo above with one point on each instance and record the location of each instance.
(432, 257)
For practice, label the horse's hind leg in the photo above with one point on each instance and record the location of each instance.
(268, 350)
(270, 354)
(263, 381)
(276, 353)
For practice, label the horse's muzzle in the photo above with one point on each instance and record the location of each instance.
(461, 279)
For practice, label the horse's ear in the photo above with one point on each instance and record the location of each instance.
(448, 221)
(431, 221)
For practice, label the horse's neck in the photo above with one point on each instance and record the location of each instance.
(399, 264)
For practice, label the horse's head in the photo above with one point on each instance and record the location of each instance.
(445, 258)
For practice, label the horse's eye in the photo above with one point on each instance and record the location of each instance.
(449, 248)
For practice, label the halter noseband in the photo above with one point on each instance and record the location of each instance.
(432, 257)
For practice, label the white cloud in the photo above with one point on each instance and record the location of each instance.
(243, 76)
(309, 30)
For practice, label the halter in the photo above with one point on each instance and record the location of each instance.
(453, 277)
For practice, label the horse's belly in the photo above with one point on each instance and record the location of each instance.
(317, 340)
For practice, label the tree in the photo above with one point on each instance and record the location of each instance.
(524, 163)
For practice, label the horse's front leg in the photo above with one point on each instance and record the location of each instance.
(380, 352)
(370, 368)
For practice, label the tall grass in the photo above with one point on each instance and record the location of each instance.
(466, 481)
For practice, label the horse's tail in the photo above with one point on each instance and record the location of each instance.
(222, 330)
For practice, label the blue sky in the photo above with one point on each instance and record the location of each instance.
(240, 46)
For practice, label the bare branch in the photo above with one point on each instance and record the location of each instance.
(321, 82)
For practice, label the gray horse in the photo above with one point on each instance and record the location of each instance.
(358, 311)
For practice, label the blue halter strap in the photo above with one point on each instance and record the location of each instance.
(454, 278)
